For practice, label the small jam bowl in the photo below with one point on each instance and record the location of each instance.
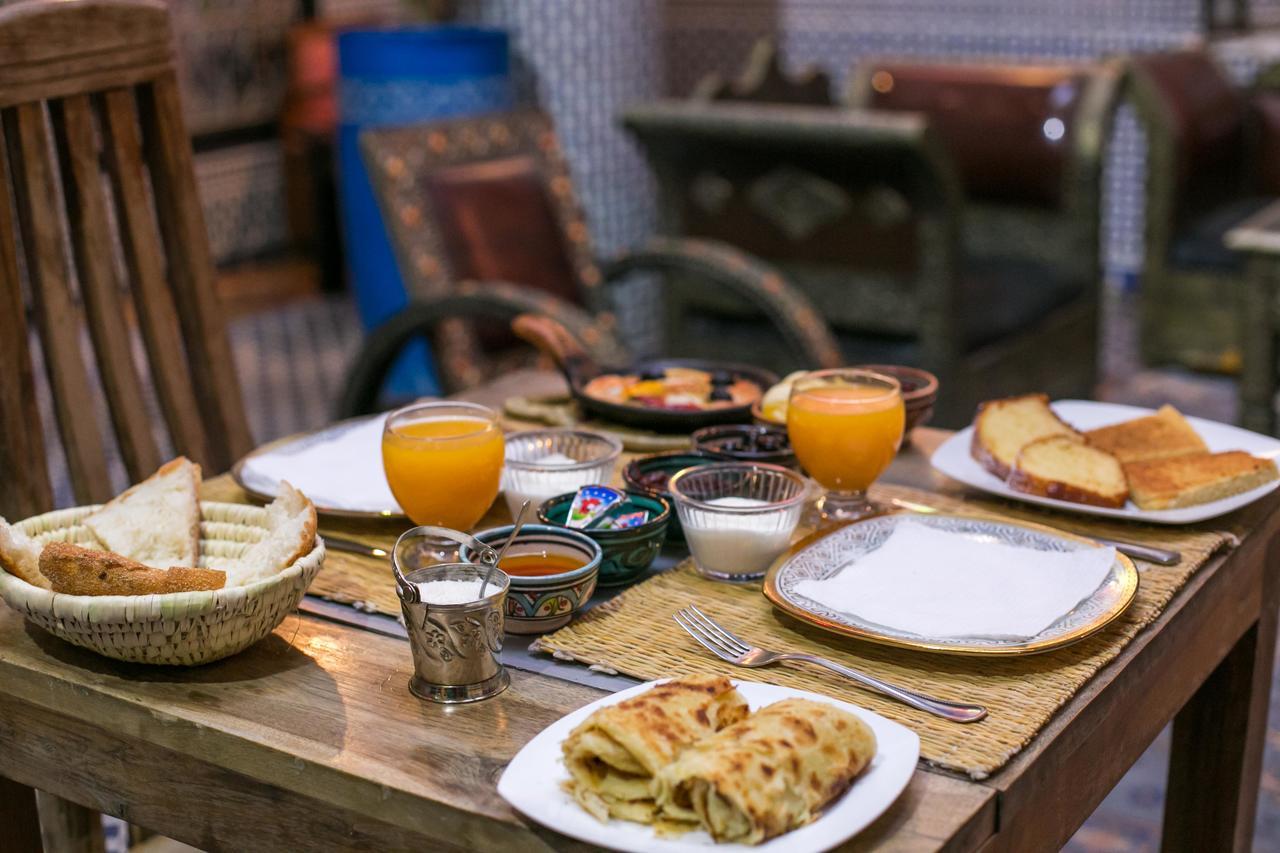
(526, 477)
(537, 604)
(747, 443)
(738, 517)
(627, 552)
(643, 474)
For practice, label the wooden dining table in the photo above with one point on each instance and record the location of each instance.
(311, 740)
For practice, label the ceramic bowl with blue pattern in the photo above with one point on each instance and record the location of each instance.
(540, 603)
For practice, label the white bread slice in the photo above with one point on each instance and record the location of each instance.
(20, 555)
(1063, 468)
(1003, 427)
(291, 534)
(156, 522)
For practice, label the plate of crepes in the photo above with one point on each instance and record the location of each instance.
(1109, 459)
(704, 762)
(157, 576)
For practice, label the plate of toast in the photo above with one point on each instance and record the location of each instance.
(1108, 459)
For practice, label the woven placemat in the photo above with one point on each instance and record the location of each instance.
(635, 635)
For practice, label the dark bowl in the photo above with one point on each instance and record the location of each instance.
(669, 463)
(919, 390)
(629, 552)
(739, 443)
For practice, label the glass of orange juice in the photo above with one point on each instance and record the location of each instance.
(845, 426)
(443, 461)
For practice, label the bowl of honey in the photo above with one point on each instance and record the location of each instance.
(553, 572)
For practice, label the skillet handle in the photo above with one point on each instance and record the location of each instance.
(553, 339)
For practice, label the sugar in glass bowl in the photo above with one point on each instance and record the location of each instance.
(738, 517)
(543, 463)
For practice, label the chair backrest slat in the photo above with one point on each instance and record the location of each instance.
(93, 248)
(22, 447)
(144, 259)
(100, 74)
(182, 228)
(57, 313)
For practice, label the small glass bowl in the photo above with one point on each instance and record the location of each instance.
(739, 539)
(525, 477)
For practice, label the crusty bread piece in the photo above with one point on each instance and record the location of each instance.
(1197, 478)
(1063, 468)
(1158, 436)
(1004, 427)
(83, 571)
(291, 534)
(156, 522)
(20, 555)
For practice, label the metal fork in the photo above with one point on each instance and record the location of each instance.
(728, 646)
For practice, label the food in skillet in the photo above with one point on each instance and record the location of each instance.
(613, 755)
(769, 774)
(676, 389)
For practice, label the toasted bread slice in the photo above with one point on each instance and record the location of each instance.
(1063, 468)
(83, 571)
(1159, 436)
(156, 522)
(1196, 478)
(1003, 427)
(20, 555)
(291, 534)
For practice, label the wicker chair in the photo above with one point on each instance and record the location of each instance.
(485, 224)
(948, 217)
(1212, 152)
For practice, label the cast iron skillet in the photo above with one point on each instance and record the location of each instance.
(578, 369)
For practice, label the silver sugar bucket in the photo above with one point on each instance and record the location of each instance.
(455, 646)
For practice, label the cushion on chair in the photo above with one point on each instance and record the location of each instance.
(1000, 297)
(1008, 127)
(1198, 244)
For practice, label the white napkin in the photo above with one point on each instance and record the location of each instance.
(338, 468)
(934, 583)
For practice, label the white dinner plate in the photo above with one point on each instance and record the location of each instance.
(338, 467)
(952, 458)
(531, 784)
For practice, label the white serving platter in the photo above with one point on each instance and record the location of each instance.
(532, 785)
(952, 458)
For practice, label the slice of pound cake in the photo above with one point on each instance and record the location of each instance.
(1158, 436)
(1003, 427)
(1062, 467)
(1196, 479)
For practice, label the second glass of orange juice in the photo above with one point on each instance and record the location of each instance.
(845, 426)
(443, 462)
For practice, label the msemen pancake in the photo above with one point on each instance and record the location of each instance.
(770, 773)
(614, 754)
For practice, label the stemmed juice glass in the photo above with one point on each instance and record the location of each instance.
(443, 461)
(845, 426)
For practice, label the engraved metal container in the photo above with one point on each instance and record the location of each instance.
(455, 646)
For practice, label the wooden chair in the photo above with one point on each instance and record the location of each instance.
(92, 126)
(484, 221)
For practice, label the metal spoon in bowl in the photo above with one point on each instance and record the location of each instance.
(515, 531)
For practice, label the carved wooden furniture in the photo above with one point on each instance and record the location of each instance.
(948, 217)
(1212, 150)
(102, 74)
(484, 220)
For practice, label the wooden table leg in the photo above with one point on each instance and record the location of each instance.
(19, 819)
(1257, 337)
(1215, 763)
(68, 826)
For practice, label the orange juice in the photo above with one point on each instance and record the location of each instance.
(444, 470)
(845, 435)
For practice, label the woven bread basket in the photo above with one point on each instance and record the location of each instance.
(182, 628)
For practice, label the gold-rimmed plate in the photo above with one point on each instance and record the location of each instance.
(322, 450)
(825, 554)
